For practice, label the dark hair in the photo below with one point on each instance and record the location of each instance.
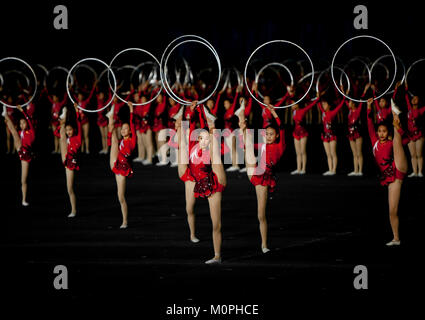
(275, 128)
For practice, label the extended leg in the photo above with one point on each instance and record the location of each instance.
(262, 192)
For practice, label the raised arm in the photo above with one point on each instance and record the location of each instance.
(217, 101)
(370, 126)
(133, 140)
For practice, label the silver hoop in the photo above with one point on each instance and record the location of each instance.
(163, 70)
(110, 68)
(277, 41)
(69, 76)
(395, 68)
(165, 81)
(35, 82)
(269, 65)
(343, 73)
(408, 70)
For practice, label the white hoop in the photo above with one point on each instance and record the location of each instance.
(165, 81)
(333, 61)
(110, 68)
(69, 76)
(277, 41)
(35, 82)
(343, 73)
(408, 70)
(257, 77)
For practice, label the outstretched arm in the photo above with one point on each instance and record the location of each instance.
(370, 125)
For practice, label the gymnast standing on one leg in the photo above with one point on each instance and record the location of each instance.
(391, 160)
(202, 172)
(23, 141)
(70, 144)
(120, 152)
(262, 176)
(415, 134)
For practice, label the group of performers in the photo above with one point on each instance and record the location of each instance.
(158, 128)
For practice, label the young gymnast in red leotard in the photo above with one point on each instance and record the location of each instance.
(202, 171)
(328, 136)
(119, 162)
(392, 163)
(262, 176)
(300, 135)
(415, 134)
(70, 144)
(23, 140)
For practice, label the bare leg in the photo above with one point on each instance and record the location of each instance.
(105, 138)
(119, 133)
(333, 155)
(62, 142)
(182, 156)
(140, 146)
(147, 141)
(15, 135)
(24, 175)
(86, 128)
(297, 144)
(399, 155)
(162, 145)
(217, 165)
(70, 187)
(190, 205)
(303, 149)
(114, 143)
(413, 157)
(262, 192)
(354, 151)
(121, 184)
(394, 190)
(359, 143)
(328, 154)
(55, 140)
(214, 202)
(419, 154)
(8, 144)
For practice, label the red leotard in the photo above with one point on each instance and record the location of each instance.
(158, 123)
(353, 123)
(383, 152)
(267, 115)
(102, 120)
(126, 146)
(270, 155)
(27, 139)
(74, 144)
(327, 119)
(413, 130)
(56, 108)
(199, 168)
(298, 116)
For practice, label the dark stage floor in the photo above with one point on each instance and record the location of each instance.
(320, 229)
